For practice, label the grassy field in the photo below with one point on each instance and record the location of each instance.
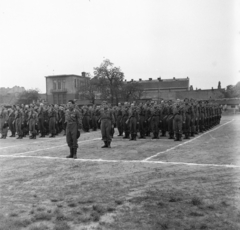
(143, 184)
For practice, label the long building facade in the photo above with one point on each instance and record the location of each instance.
(61, 88)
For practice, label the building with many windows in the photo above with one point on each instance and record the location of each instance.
(61, 88)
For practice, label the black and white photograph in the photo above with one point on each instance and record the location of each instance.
(119, 114)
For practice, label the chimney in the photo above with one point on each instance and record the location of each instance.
(150, 79)
(159, 79)
(83, 74)
(173, 78)
(132, 80)
(140, 79)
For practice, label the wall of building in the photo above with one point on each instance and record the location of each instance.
(50, 98)
(195, 94)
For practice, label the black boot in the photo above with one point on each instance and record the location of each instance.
(105, 144)
(74, 153)
(71, 153)
(109, 144)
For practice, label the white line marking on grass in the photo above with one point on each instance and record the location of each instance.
(48, 139)
(43, 140)
(148, 158)
(59, 146)
(123, 161)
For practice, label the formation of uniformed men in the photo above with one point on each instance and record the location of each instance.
(180, 118)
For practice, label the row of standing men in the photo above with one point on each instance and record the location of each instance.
(177, 118)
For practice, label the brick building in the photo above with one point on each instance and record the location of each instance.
(176, 88)
(61, 88)
(163, 88)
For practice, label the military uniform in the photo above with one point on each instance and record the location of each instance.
(18, 122)
(178, 120)
(73, 121)
(52, 121)
(155, 120)
(125, 122)
(119, 115)
(133, 120)
(4, 123)
(10, 122)
(142, 121)
(32, 121)
(107, 121)
(86, 117)
(41, 119)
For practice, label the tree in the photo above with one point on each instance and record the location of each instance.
(232, 91)
(88, 90)
(28, 96)
(110, 79)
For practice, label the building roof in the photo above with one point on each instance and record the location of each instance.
(177, 83)
(63, 75)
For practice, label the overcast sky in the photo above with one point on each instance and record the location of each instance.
(146, 38)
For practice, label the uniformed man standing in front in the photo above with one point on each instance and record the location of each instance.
(73, 124)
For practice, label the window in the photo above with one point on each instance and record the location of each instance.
(54, 85)
(75, 83)
(59, 85)
(63, 84)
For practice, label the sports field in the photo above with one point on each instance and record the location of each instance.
(143, 184)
